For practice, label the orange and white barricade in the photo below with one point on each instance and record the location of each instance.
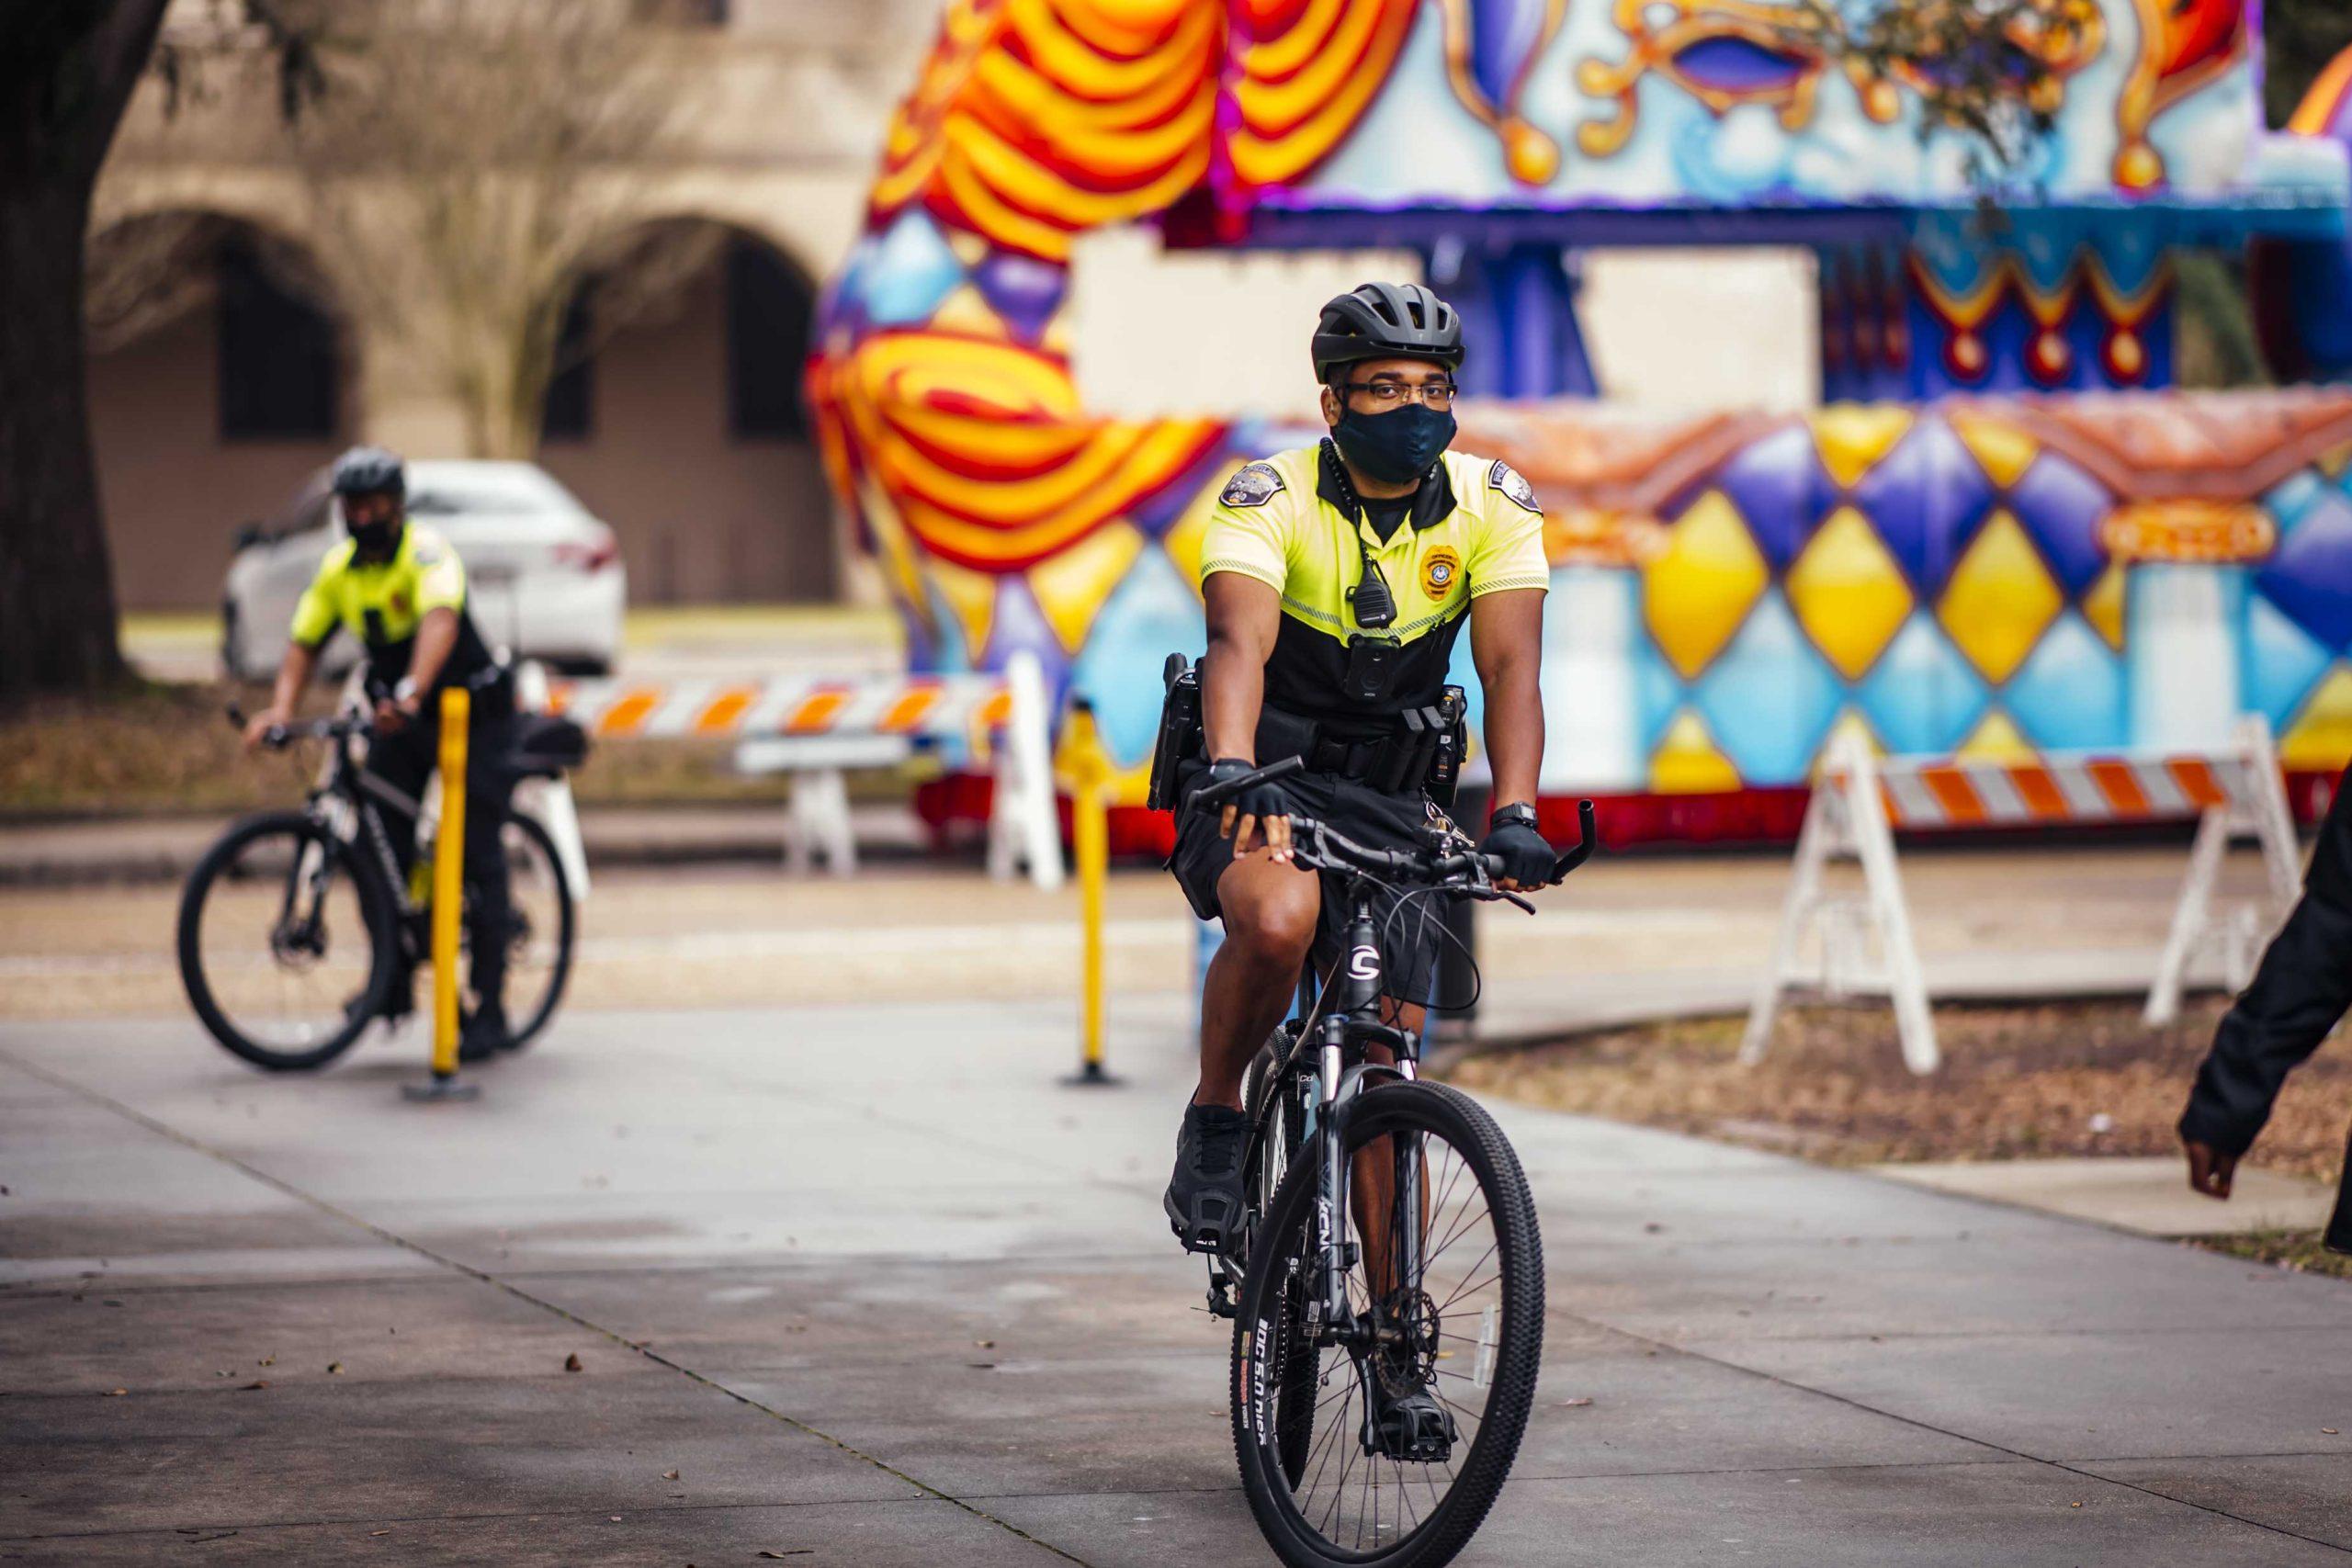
(1859, 801)
(814, 726)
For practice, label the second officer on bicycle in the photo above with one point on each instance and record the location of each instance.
(1337, 578)
(400, 589)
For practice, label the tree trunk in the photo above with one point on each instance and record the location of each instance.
(63, 86)
(57, 605)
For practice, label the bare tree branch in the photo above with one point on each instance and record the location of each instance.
(1992, 71)
(466, 162)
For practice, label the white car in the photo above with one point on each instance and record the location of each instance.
(544, 578)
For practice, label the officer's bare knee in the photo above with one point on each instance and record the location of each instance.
(1270, 910)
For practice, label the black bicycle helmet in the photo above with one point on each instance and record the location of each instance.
(1386, 320)
(370, 471)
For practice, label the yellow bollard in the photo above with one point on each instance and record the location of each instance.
(1089, 775)
(449, 901)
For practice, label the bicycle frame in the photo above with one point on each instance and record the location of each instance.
(363, 796)
(1342, 1071)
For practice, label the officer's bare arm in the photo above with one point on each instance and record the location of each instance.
(1244, 614)
(293, 674)
(1506, 645)
(436, 635)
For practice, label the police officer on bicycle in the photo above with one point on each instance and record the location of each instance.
(1337, 578)
(400, 589)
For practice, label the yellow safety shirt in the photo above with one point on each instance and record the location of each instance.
(382, 603)
(1293, 523)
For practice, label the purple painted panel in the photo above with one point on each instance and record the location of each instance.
(1927, 498)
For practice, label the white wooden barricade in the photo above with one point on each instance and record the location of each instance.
(815, 727)
(1860, 800)
(549, 800)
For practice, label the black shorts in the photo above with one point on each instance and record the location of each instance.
(1409, 935)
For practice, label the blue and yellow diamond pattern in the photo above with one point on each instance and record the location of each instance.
(1936, 582)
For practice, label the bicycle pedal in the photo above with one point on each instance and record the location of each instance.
(1221, 1303)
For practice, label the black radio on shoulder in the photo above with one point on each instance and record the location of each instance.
(1373, 604)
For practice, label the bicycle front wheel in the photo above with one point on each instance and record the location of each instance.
(1383, 1439)
(540, 929)
(284, 943)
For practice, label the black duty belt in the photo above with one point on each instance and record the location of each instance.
(1422, 752)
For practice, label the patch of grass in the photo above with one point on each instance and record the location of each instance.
(2018, 1082)
(144, 748)
(151, 748)
(2298, 1252)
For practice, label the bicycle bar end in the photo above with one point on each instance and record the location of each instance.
(1587, 839)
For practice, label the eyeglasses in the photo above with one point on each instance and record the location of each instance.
(1438, 395)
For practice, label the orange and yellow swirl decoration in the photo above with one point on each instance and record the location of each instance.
(960, 440)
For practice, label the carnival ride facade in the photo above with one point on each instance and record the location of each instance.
(2006, 532)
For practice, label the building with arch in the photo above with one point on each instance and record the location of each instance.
(236, 363)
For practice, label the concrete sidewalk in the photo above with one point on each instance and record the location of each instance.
(879, 1292)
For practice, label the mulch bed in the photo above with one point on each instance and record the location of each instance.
(2018, 1082)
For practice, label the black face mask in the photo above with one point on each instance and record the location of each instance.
(377, 542)
(1396, 448)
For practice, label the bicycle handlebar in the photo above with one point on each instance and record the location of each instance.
(1397, 862)
(280, 736)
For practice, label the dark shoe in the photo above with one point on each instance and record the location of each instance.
(1203, 1201)
(399, 996)
(1406, 1421)
(484, 1036)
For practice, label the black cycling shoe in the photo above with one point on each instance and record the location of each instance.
(399, 996)
(1406, 1421)
(1203, 1201)
(485, 1035)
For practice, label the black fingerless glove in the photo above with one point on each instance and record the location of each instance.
(1526, 857)
(1260, 800)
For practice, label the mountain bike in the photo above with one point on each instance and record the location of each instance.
(1386, 1277)
(298, 929)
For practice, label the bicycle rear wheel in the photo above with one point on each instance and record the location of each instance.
(1445, 1295)
(285, 942)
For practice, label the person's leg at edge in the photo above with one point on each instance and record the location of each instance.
(488, 912)
(488, 919)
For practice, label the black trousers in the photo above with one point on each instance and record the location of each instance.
(2299, 991)
(406, 759)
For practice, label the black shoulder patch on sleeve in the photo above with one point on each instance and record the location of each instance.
(1506, 478)
(1253, 484)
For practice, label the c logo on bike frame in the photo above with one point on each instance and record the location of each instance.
(1364, 963)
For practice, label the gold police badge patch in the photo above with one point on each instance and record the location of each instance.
(1441, 570)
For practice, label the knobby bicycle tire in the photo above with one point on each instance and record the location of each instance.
(1266, 1362)
(523, 1030)
(376, 910)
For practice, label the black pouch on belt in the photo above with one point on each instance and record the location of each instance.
(1283, 735)
(1404, 756)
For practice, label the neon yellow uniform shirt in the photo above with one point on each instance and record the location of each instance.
(1291, 522)
(382, 604)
